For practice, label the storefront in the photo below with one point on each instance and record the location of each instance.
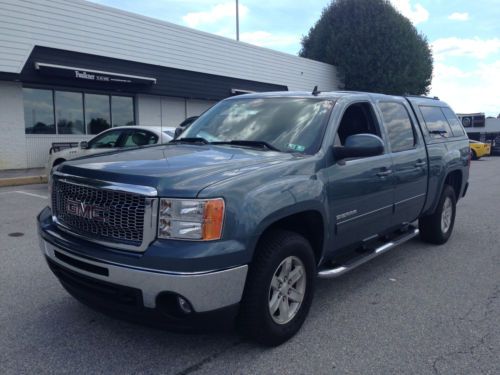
(71, 69)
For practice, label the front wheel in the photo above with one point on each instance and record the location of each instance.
(437, 228)
(279, 288)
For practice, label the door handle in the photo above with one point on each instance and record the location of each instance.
(384, 173)
(420, 164)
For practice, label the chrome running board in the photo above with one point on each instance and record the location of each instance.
(338, 270)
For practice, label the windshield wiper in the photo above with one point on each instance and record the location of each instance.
(242, 142)
(442, 133)
(190, 140)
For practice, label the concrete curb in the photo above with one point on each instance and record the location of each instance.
(25, 180)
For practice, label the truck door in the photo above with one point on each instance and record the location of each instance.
(409, 159)
(360, 190)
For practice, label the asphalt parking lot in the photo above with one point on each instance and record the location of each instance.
(419, 309)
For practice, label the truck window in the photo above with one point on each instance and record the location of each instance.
(435, 121)
(399, 127)
(456, 126)
(358, 118)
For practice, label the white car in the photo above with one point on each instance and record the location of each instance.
(119, 137)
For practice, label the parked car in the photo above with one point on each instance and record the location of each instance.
(479, 149)
(114, 138)
(255, 200)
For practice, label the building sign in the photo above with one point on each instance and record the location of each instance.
(92, 75)
(473, 120)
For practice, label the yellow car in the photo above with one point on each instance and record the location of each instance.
(479, 149)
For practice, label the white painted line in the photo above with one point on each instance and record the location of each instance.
(31, 194)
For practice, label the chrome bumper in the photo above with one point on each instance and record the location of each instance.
(205, 291)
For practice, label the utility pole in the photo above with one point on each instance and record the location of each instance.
(237, 21)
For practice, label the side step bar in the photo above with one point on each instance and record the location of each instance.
(339, 270)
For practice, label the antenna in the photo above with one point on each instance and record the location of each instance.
(315, 91)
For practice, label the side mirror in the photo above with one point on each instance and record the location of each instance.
(359, 146)
(84, 145)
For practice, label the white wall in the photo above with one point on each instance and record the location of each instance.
(148, 110)
(197, 107)
(173, 111)
(167, 111)
(81, 26)
(38, 146)
(12, 137)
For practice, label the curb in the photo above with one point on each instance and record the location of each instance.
(27, 180)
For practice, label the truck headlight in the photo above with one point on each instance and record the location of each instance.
(191, 219)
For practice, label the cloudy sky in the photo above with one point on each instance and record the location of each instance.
(464, 34)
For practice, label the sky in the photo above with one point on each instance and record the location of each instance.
(464, 36)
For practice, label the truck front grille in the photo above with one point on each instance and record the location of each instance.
(99, 214)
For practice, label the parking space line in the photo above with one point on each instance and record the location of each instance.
(25, 193)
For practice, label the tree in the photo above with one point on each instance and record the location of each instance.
(374, 47)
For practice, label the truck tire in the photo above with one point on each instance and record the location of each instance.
(279, 288)
(437, 228)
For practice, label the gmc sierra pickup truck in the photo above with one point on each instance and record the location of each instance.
(256, 199)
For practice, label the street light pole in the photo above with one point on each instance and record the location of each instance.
(237, 21)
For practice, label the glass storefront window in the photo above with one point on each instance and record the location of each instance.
(69, 112)
(122, 108)
(74, 112)
(97, 113)
(39, 111)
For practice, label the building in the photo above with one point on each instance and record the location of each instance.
(481, 128)
(71, 68)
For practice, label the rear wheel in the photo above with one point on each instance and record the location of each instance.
(279, 288)
(437, 228)
(474, 155)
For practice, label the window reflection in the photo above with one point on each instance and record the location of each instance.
(74, 112)
(122, 108)
(97, 113)
(38, 111)
(289, 124)
(69, 112)
(398, 125)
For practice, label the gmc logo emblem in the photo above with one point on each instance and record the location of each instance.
(87, 211)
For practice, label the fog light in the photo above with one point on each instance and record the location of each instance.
(184, 305)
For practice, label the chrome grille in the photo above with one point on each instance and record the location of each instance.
(121, 213)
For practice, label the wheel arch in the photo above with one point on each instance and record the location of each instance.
(309, 223)
(58, 161)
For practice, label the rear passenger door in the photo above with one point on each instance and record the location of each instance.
(409, 159)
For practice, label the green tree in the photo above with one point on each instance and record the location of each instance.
(374, 47)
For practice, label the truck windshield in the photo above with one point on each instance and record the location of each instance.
(284, 124)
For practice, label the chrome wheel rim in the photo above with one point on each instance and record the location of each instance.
(287, 290)
(446, 215)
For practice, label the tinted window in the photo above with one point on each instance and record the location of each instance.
(122, 108)
(140, 138)
(398, 125)
(39, 111)
(97, 113)
(435, 121)
(289, 124)
(69, 112)
(106, 140)
(455, 125)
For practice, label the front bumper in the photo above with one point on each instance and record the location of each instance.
(205, 291)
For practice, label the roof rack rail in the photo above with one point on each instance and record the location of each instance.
(422, 96)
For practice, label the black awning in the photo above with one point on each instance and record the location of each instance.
(92, 75)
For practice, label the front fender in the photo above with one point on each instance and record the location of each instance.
(277, 200)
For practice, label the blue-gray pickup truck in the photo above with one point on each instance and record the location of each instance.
(261, 195)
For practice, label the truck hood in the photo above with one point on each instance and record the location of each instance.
(174, 170)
